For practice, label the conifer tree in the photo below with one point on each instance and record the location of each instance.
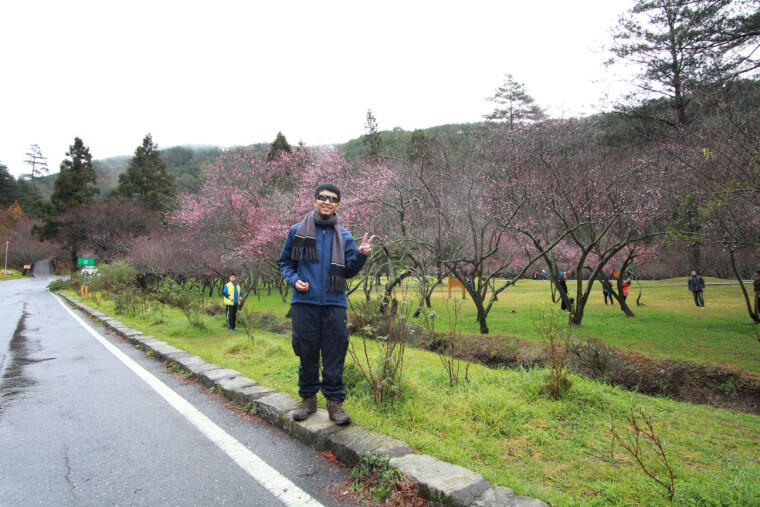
(146, 180)
(75, 185)
(514, 105)
(279, 145)
(7, 187)
(372, 141)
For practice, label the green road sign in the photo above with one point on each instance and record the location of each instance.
(85, 261)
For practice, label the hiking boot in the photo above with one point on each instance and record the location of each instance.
(337, 414)
(307, 407)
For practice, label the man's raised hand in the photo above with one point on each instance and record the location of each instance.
(365, 247)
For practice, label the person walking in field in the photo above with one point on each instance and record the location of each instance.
(316, 259)
(607, 291)
(697, 287)
(624, 289)
(232, 300)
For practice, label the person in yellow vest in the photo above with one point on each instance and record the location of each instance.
(232, 300)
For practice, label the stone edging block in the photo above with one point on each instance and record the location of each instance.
(210, 377)
(503, 496)
(314, 431)
(441, 481)
(231, 387)
(274, 406)
(251, 394)
(351, 442)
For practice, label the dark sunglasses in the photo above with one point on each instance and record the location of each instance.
(323, 198)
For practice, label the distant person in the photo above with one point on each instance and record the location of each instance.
(318, 256)
(624, 289)
(607, 292)
(563, 286)
(697, 287)
(756, 284)
(232, 300)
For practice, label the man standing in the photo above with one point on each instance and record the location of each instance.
(317, 258)
(231, 293)
(756, 283)
(697, 286)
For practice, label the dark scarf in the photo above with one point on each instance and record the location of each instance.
(305, 248)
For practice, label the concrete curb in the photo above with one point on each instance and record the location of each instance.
(441, 482)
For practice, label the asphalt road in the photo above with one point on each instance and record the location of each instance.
(78, 427)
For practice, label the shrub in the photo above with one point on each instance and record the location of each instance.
(447, 345)
(556, 347)
(128, 301)
(591, 357)
(59, 285)
(188, 297)
(114, 277)
(385, 376)
(373, 475)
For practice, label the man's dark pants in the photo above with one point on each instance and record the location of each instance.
(231, 316)
(320, 330)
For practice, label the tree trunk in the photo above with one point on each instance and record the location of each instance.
(625, 308)
(482, 316)
(576, 314)
(753, 313)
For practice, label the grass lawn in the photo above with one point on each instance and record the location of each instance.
(668, 325)
(13, 274)
(502, 425)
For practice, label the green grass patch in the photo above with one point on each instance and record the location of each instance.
(502, 425)
(11, 274)
(668, 325)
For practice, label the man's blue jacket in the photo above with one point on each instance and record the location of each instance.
(315, 273)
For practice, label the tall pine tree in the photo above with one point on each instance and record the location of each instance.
(74, 188)
(372, 141)
(514, 105)
(75, 185)
(146, 180)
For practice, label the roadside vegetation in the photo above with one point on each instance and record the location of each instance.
(503, 423)
(12, 274)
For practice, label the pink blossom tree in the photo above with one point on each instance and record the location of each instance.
(240, 217)
(595, 199)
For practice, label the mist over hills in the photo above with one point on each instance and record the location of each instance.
(187, 163)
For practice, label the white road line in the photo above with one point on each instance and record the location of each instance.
(268, 477)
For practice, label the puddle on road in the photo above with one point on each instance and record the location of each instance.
(14, 383)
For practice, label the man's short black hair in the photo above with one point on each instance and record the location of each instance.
(329, 187)
(233, 274)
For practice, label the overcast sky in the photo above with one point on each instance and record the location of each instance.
(234, 73)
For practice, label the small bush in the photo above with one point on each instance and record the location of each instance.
(128, 301)
(113, 277)
(374, 477)
(557, 348)
(188, 297)
(386, 376)
(591, 357)
(365, 319)
(157, 311)
(59, 285)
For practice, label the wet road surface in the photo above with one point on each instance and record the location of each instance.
(77, 427)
